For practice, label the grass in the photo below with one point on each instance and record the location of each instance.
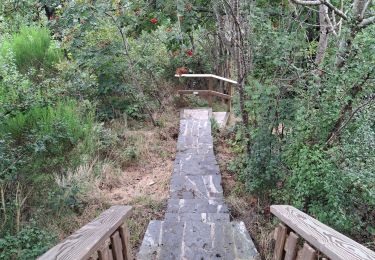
(43, 121)
(33, 47)
(145, 209)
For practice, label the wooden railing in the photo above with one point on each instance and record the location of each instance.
(210, 92)
(106, 237)
(319, 240)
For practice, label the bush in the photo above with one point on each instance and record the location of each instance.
(29, 243)
(32, 48)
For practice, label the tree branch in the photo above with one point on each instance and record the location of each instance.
(320, 2)
(358, 109)
(366, 22)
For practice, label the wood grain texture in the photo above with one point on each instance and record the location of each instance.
(291, 246)
(306, 253)
(84, 242)
(116, 246)
(280, 241)
(125, 239)
(105, 254)
(327, 240)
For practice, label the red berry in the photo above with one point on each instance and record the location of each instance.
(154, 20)
(189, 53)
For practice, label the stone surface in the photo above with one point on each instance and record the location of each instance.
(197, 240)
(197, 223)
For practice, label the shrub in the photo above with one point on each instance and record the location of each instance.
(32, 48)
(29, 243)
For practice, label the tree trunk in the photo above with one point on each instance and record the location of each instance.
(323, 36)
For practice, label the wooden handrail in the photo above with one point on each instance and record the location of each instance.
(323, 238)
(106, 237)
(210, 92)
(206, 76)
(227, 98)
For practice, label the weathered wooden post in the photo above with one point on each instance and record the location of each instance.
(210, 88)
(230, 93)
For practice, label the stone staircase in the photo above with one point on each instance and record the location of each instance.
(197, 223)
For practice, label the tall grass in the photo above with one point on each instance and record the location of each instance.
(32, 47)
(50, 121)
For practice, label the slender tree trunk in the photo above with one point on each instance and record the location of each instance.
(323, 35)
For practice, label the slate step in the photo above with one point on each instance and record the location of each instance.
(169, 240)
(196, 187)
(196, 206)
(196, 164)
(198, 217)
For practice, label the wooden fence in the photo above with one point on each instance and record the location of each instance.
(105, 238)
(210, 92)
(319, 241)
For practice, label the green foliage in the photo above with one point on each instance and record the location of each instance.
(292, 113)
(32, 48)
(29, 243)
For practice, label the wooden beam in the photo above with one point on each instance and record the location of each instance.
(87, 240)
(325, 239)
(280, 237)
(206, 76)
(218, 94)
(210, 88)
(208, 92)
(290, 246)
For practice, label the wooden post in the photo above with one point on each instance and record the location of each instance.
(280, 237)
(210, 88)
(230, 93)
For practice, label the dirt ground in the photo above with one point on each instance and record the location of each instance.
(144, 182)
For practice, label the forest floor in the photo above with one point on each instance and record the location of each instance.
(136, 172)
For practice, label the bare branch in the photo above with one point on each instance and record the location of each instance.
(306, 2)
(324, 2)
(358, 109)
(366, 22)
(365, 8)
(335, 9)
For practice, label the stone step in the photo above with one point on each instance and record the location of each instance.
(196, 206)
(198, 217)
(196, 164)
(196, 187)
(169, 240)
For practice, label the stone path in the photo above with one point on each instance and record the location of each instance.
(197, 223)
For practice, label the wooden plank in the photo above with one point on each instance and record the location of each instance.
(280, 241)
(230, 93)
(84, 242)
(201, 91)
(291, 246)
(182, 92)
(105, 254)
(125, 239)
(210, 88)
(206, 76)
(327, 240)
(218, 94)
(306, 253)
(116, 246)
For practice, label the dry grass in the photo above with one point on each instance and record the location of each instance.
(243, 206)
(135, 172)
